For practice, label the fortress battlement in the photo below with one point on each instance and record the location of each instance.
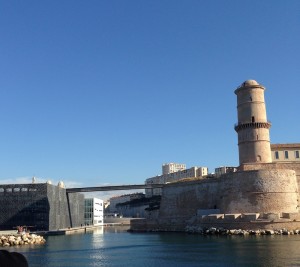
(261, 192)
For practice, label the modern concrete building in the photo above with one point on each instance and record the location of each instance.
(93, 211)
(39, 206)
(168, 168)
(253, 126)
(285, 152)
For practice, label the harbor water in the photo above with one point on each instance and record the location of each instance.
(114, 246)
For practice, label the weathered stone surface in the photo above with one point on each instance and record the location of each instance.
(291, 216)
(24, 239)
(233, 216)
(250, 216)
(255, 191)
(271, 216)
(285, 232)
(240, 232)
(270, 232)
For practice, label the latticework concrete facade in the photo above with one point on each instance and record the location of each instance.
(39, 206)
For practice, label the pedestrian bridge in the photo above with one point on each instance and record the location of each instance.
(113, 188)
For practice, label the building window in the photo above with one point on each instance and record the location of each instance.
(297, 154)
(276, 155)
(286, 154)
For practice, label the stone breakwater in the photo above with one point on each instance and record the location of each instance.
(21, 239)
(222, 231)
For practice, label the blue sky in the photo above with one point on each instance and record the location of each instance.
(96, 92)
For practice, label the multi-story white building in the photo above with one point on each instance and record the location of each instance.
(93, 211)
(194, 172)
(168, 168)
(285, 152)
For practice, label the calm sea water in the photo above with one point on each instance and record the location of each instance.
(114, 246)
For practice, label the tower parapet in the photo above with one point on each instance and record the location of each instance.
(253, 126)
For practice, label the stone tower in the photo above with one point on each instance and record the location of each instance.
(253, 126)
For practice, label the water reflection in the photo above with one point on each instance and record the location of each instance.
(114, 246)
(234, 250)
(116, 229)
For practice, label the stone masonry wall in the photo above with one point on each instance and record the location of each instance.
(273, 191)
(183, 199)
(275, 165)
(258, 191)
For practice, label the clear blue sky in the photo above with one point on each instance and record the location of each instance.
(96, 92)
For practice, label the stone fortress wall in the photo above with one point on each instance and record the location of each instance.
(255, 191)
(260, 189)
(260, 196)
(274, 166)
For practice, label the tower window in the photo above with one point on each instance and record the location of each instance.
(253, 119)
(276, 155)
(286, 154)
(297, 154)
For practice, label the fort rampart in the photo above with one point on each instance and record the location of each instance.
(259, 189)
(254, 191)
(274, 166)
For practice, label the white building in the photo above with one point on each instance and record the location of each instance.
(285, 152)
(172, 167)
(194, 172)
(93, 211)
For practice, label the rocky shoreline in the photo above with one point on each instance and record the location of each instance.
(240, 232)
(21, 239)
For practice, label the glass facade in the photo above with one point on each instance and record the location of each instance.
(93, 211)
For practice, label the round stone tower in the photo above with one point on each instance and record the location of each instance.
(253, 126)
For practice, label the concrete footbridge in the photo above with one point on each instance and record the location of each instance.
(113, 188)
(106, 188)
